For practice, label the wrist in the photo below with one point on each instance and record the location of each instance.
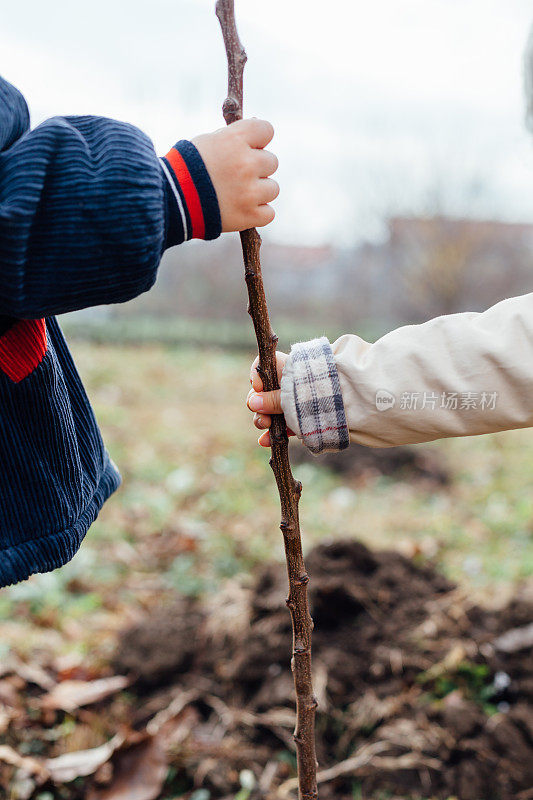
(311, 397)
(191, 204)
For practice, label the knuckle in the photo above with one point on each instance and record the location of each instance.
(249, 166)
(231, 130)
(238, 134)
(245, 201)
(257, 193)
(252, 198)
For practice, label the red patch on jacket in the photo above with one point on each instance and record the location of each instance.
(22, 348)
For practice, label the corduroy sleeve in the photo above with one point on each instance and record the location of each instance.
(86, 211)
(455, 375)
(14, 114)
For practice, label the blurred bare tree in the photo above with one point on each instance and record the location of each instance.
(426, 266)
(447, 265)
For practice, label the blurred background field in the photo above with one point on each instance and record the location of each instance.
(194, 521)
(198, 503)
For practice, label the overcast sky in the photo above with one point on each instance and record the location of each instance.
(378, 106)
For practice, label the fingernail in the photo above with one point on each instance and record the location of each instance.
(256, 402)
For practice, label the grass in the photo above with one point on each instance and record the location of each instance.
(121, 328)
(198, 502)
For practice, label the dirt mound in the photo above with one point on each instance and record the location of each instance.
(407, 463)
(164, 645)
(421, 693)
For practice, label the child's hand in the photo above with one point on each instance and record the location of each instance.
(239, 168)
(265, 403)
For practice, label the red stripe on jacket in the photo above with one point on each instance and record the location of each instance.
(190, 192)
(22, 348)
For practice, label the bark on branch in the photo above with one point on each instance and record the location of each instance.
(289, 489)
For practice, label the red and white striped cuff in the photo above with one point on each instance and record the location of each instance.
(192, 210)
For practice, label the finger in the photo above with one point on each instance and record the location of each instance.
(255, 378)
(262, 421)
(257, 132)
(249, 396)
(268, 190)
(267, 163)
(257, 381)
(266, 402)
(264, 216)
(264, 439)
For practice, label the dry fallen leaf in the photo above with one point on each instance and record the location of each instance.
(139, 772)
(10, 704)
(33, 766)
(70, 695)
(169, 716)
(515, 639)
(30, 673)
(5, 718)
(69, 766)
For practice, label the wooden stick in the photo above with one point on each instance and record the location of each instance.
(289, 489)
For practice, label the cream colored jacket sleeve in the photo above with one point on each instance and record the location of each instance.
(456, 375)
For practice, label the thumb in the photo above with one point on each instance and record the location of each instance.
(266, 402)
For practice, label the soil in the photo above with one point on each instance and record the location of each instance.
(407, 671)
(407, 463)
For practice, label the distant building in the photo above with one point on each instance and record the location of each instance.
(427, 266)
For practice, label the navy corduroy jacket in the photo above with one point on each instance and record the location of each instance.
(86, 212)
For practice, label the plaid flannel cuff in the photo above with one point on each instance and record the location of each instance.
(311, 397)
